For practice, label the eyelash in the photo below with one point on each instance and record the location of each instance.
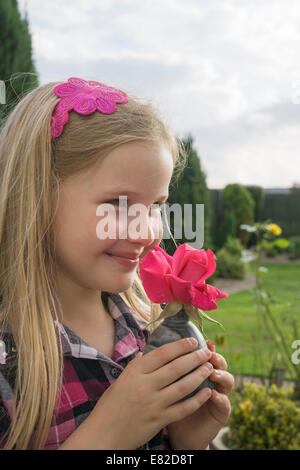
(159, 203)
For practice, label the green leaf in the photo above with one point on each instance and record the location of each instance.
(204, 315)
(170, 309)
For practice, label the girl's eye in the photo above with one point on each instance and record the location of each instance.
(158, 205)
(155, 204)
(114, 201)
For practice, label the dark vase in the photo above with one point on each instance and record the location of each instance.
(172, 329)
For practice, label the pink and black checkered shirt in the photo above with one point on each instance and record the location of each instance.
(87, 374)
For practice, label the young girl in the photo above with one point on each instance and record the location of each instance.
(73, 374)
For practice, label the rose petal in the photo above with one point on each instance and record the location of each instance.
(168, 258)
(200, 266)
(180, 288)
(179, 257)
(204, 296)
(157, 262)
(201, 298)
(217, 294)
(211, 263)
(192, 264)
(153, 269)
(156, 287)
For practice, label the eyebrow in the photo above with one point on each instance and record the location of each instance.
(129, 192)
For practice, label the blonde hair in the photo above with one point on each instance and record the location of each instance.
(32, 168)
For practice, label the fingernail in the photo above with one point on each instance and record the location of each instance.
(209, 366)
(193, 341)
(206, 352)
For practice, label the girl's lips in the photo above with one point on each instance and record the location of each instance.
(124, 261)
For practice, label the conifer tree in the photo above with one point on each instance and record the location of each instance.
(190, 188)
(239, 200)
(17, 69)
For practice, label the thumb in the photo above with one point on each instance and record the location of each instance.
(135, 359)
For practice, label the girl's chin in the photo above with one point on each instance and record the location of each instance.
(116, 289)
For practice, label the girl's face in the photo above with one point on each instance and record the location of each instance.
(140, 171)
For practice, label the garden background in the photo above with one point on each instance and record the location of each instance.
(255, 234)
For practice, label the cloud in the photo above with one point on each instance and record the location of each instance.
(223, 71)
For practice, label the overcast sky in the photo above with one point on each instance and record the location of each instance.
(226, 71)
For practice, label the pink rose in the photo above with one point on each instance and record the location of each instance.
(181, 277)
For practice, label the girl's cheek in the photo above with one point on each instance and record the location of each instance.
(120, 226)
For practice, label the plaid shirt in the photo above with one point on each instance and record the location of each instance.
(87, 374)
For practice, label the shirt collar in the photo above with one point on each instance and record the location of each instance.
(126, 322)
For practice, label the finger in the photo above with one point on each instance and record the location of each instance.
(175, 369)
(187, 407)
(222, 406)
(224, 381)
(218, 361)
(158, 357)
(186, 385)
(211, 345)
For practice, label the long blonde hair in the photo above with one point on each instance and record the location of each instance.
(32, 168)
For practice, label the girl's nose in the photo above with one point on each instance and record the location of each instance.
(144, 230)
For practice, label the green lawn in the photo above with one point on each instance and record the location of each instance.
(248, 348)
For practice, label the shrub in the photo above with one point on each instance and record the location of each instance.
(230, 266)
(239, 200)
(272, 248)
(263, 418)
(295, 247)
(227, 228)
(282, 244)
(234, 246)
(258, 195)
(272, 251)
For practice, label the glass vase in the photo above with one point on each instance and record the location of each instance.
(172, 329)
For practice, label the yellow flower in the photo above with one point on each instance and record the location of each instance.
(275, 229)
(246, 407)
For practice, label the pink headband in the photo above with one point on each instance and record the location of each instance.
(84, 97)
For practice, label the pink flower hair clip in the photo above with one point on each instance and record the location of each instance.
(84, 97)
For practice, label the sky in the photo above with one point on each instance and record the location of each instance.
(225, 71)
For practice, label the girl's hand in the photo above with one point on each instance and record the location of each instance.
(200, 428)
(146, 397)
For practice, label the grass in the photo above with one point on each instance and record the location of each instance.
(248, 347)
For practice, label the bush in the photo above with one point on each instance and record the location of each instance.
(239, 200)
(272, 248)
(282, 244)
(230, 266)
(263, 418)
(272, 251)
(295, 247)
(227, 228)
(234, 246)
